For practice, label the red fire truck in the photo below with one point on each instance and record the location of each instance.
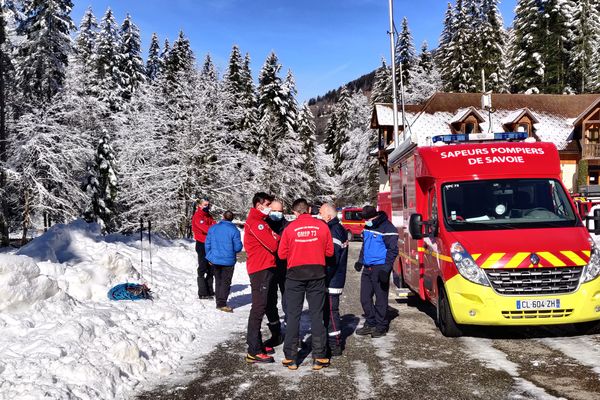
(353, 222)
(489, 235)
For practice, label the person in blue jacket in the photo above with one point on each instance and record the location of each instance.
(223, 242)
(377, 256)
(335, 279)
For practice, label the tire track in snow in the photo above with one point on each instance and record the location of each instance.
(363, 381)
(584, 350)
(484, 351)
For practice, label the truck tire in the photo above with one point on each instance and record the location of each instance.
(350, 236)
(445, 321)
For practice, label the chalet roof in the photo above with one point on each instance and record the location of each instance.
(569, 106)
(585, 112)
(383, 114)
(462, 114)
(553, 116)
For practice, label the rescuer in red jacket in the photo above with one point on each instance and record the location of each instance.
(261, 244)
(304, 244)
(201, 222)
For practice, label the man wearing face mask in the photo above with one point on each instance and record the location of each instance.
(201, 222)
(277, 223)
(261, 244)
(376, 259)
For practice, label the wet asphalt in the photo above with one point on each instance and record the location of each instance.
(414, 361)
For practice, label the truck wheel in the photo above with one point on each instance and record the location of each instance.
(445, 320)
(350, 236)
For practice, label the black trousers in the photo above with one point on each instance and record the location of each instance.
(205, 272)
(370, 284)
(315, 296)
(264, 302)
(223, 276)
(279, 284)
(331, 317)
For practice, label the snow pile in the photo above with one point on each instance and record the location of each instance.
(21, 283)
(60, 336)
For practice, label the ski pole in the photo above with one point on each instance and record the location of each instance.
(142, 248)
(150, 244)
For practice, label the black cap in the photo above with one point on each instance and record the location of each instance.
(368, 212)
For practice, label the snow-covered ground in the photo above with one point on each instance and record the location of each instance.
(61, 337)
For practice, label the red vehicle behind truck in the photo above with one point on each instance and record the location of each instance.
(489, 235)
(353, 222)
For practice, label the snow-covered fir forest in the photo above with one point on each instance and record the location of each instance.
(92, 127)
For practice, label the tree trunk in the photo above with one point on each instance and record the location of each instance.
(4, 238)
(26, 219)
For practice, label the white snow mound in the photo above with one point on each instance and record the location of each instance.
(21, 284)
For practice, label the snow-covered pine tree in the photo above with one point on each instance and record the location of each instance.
(586, 36)
(359, 177)
(382, 86)
(164, 55)
(558, 42)
(43, 55)
(405, 52)
(443, 55)
(85, 41)
(153, 62)
(271, 98)
(492, 40)
(528, 66)
(107, 83)
(131, 63)
(179, 59)
(6, 70)
(102, 187)
(462, 71)
(338, 129)
(425, 58)
(306, 135)
(235, 84)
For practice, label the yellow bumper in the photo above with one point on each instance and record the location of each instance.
(475, 304)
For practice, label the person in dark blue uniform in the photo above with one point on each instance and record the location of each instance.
(377, 256)
(335, 279)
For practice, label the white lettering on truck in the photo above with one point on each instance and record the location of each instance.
(499, 155)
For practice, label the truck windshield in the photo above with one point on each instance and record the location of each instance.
(353, 215)
(506, 204)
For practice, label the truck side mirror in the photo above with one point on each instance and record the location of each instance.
(415, 226)
(596, 219)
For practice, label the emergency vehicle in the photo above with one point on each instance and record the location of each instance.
(353, 222)
(489, 234)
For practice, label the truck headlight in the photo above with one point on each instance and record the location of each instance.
(592, 270)
(466, 266)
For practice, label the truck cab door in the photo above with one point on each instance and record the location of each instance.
(431, 246)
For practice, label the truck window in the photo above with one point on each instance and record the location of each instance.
(506, 204)
(352, 215)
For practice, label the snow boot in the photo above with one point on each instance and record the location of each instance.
(365, 330)
(377, 333)
(268, 350)
(226, 309)
(289, 364)
(259, 359)
(320, 363)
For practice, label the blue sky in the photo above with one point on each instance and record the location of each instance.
(326, 43)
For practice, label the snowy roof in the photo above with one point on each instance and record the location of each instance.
(463, 113)
(383, 115)
(554, 117)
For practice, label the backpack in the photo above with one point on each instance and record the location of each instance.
(130, 291)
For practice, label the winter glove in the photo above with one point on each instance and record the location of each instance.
(384, 276)
(358, 266)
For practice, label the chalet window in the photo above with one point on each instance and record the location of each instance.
(523, 127)
(469, 127)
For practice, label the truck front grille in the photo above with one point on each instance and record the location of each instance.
(534, 281)
(537, 314)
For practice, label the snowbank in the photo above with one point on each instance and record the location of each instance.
(60, 336)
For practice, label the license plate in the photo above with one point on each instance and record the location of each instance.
(547, 304)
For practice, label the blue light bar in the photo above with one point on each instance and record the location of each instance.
(475, 137)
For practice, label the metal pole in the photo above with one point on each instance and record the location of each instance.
(394, 94)
(142, 248)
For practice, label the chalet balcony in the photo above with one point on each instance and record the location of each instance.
(591, 151)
